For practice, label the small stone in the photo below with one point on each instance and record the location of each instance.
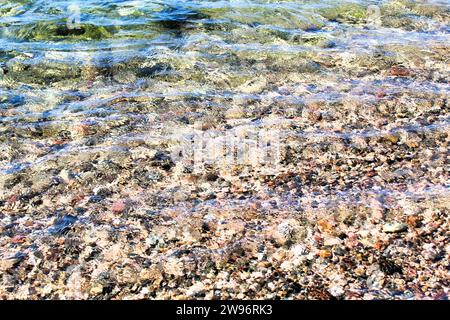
(377, 209)
(399, 71)
(286, 231)
(430, 252)
(331, 241)
(299, 250)
(394, 138)
(118, 206)
(394, 227)
(102, 191)
(414, 221)
(412, 143)
(360, 271)
(6, 264)
(96, 289)
(325, 226)
(380, 94)
(65, 175)
(253, 86)
(84, 129)
(11, 261)
(62, 225)
(18, 239)
(195, 289)
(319, 294)
(235, 113)
(287, 266)
(337, 291)
(313, 115)
(389, 267)
(375, 281)
(339, 250)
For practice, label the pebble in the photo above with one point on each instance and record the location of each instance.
(363, 149)
(18, 239)
(96, 289)
(253, 86)
(399, 71)
(430, 252)
(119, 206)
(62, 224)
(324, 254)
(395, 227)
(332, 241)
(376, 280)
(337, 291)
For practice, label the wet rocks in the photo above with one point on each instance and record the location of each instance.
(9, 101)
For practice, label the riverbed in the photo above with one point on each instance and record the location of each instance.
(224, 149)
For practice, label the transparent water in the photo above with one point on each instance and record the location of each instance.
(89, 89)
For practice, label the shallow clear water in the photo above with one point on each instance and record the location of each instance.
(102, 93)
(55, 54)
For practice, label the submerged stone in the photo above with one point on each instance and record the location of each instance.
(394, 227)
(177, 18)
(62, 225)
(223, 150)
(10, 100)
(346, 12)
(60, 31)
